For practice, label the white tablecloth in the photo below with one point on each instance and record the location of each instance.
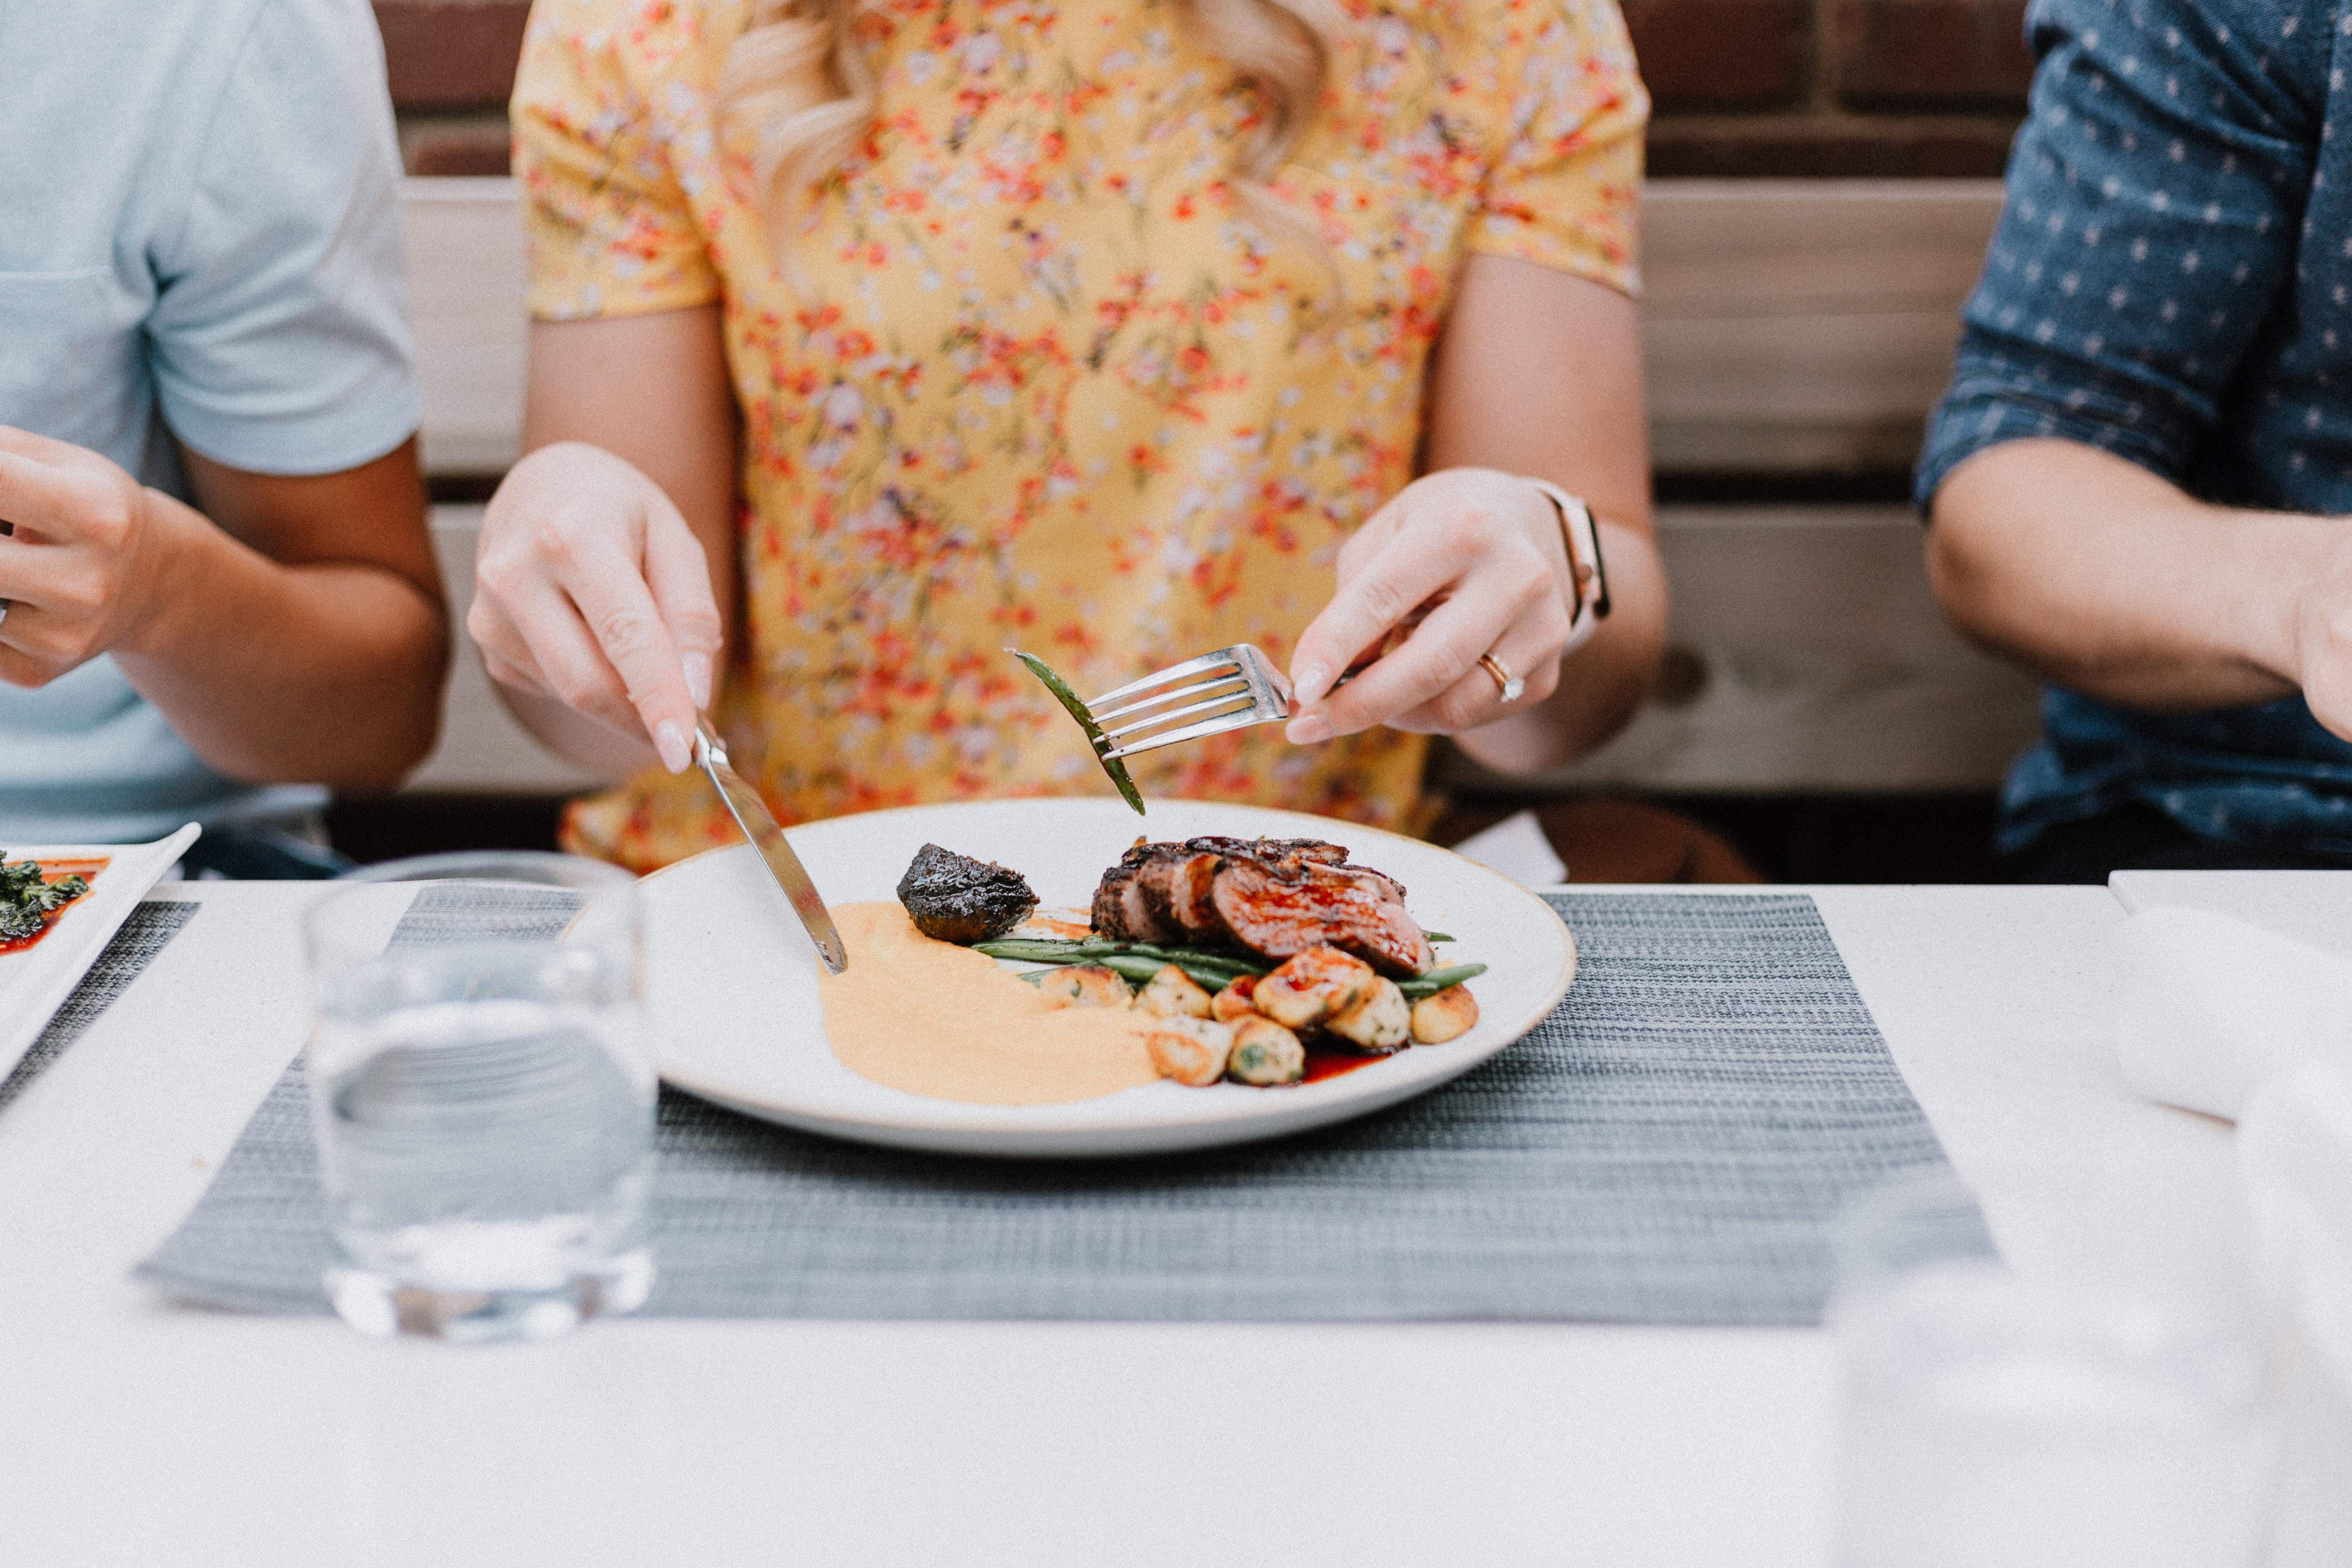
(135, 1433)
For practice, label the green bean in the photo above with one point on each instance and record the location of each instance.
(1430, 982)
(1041, 950)
(1129, 965)
(1197, 956)
(1062, 950)
(1077, 709)
(1138, 968)
(1140, 961)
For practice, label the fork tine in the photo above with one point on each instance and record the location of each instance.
(1223, 700)
(1240, 719)
(1233, 682)
(1207, 661)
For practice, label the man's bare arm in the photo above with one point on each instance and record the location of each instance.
(2114, 582)
(290, 628)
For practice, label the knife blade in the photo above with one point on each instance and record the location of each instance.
(759, 824)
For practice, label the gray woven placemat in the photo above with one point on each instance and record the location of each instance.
(136, 942)
(1668, 1147)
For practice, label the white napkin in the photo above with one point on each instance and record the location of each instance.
(2295, 1153)
(2209, 1008)
(2223, 1016)
(1518, 849)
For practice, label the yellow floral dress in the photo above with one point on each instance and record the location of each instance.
(1038, 382)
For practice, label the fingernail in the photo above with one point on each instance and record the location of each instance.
(698, 679)
(1310, 683)
(670, 741)
(1308, 731)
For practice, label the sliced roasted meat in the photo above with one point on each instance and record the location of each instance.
(1279, 917)
(1273, 851)
(1119, 908)
(1178, 889)
(1125, 906)
(1275, 897)
(1382, 886)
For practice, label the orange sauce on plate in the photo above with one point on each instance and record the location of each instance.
(933, 1018)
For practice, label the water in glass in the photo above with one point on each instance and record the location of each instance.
(484, 1116)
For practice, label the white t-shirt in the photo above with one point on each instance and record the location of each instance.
(199, 239)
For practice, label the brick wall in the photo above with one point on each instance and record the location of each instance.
(451, 64)
(1810, 88)
(1816, 88)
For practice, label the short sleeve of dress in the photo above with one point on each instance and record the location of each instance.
(1564, 189)
(609, 229)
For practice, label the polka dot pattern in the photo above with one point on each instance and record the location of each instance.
(2171, 281)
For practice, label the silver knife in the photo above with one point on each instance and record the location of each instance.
(751, 815)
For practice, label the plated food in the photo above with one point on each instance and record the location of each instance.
(744, 1016)
(1265, 962)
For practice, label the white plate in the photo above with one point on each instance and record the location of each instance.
(733, 980)
(35, 982)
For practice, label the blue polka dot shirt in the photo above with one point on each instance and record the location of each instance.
(2171, 281)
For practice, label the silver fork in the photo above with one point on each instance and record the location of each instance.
(1235, 686)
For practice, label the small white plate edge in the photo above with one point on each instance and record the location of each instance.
(110, 906)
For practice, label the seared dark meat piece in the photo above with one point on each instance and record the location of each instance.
(1273, 896)
(957, 899)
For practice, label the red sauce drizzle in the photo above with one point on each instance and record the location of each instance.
(1323, 1062)
(51, 871)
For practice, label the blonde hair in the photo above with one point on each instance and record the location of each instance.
(799, 85)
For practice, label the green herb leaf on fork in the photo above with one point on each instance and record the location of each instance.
(1116, 767)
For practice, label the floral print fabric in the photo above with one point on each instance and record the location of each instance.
(1031, 377)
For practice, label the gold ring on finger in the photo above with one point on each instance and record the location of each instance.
(1509, 684)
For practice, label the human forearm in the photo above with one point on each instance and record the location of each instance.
(1542, 375)
(2111, 582)
(291, 630)
(605, 589)
(318, 672)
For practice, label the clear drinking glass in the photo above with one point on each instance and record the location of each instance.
(1994, 1419)
(483, 1101)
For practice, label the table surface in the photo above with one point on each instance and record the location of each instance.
(134, 1432)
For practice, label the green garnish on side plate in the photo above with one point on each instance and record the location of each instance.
(26, 900)
(1068, 699)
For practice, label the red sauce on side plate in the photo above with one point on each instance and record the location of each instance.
(52, 870)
